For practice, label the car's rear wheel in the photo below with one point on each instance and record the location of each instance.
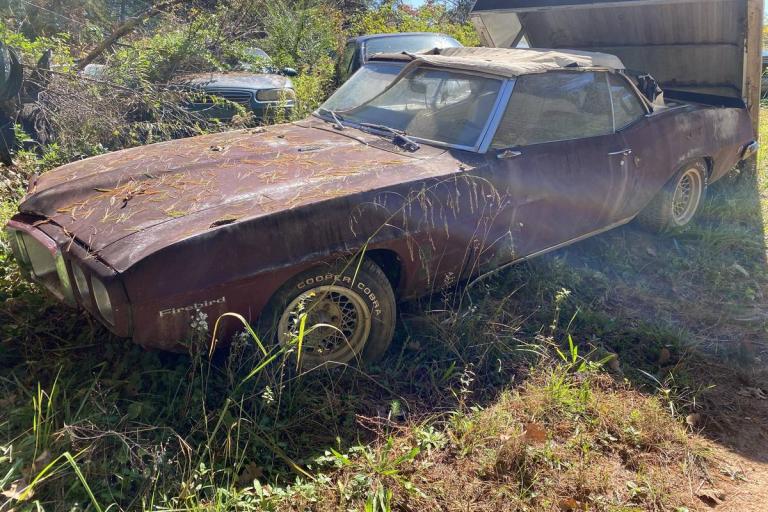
(348, 314)
(677, 203)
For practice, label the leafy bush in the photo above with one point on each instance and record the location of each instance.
(394, 16)
(302, 35)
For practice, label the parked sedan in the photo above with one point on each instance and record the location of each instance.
(359, 50)
(259, 88)
(406, 180)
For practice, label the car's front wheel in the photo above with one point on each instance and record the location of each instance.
(677, 203)
(348, 314)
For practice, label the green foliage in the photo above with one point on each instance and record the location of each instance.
(396, 16)
(30, 50)
(303, 34)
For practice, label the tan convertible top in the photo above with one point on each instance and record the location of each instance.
(509, 61)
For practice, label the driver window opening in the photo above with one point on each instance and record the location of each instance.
(555, 106)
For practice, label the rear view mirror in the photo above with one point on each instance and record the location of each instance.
(417, 86)
(290, 72)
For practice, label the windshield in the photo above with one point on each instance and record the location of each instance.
(411, 43)
(438, 105)
(375, 76)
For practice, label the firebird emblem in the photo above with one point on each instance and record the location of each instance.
(192, 307)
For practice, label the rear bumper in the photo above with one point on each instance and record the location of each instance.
(47, 256)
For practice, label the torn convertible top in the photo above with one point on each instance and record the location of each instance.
(508, 61)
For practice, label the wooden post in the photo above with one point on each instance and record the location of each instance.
(753, 68)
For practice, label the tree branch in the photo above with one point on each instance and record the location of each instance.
(124, 29)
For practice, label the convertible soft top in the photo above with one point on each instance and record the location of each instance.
(509, 61)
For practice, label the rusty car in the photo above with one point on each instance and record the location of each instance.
(408, 178)
(256, 85)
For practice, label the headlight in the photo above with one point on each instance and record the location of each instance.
(81, 282)
(101, 296)
(40, 258)
(276, 95)
(17, 247)
(66, 284)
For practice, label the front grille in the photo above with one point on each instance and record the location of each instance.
(242, 97)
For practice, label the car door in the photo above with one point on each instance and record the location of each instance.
(642, 133)
(557, 162)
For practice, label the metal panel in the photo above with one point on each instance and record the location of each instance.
(753, 69)
(686, 44)
(536, 5)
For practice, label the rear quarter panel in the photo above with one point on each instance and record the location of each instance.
(717, 134)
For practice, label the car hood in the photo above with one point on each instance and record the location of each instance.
(236, 80)
(192, 185)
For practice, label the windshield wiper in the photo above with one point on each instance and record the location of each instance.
(336, 117)
(400, 138)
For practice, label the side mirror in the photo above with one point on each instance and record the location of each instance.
(290, 72)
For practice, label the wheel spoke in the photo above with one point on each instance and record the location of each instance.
(343, 313)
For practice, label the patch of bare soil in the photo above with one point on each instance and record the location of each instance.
(728, 363)
(734, 414)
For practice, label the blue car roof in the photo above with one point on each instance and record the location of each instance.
(367, 37)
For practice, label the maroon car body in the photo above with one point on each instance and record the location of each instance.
(219, 223)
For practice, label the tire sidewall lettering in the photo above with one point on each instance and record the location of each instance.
(343, 280)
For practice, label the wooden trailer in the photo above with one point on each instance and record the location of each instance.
(697, 48)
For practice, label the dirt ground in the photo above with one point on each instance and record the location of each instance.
(729, 365)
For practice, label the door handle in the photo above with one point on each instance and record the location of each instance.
(623, 152)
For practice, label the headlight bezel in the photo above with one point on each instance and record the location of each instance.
(18, 248)
(68, 253)
(284, 95)
(82, 284)
(66, 283)
(103, 300)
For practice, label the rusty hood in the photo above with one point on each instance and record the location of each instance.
(192, 185)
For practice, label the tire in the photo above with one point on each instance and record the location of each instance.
(360, 307)
(677, 203)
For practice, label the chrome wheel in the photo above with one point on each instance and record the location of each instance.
(687, 196)
(337, 324)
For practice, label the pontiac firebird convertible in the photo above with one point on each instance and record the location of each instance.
(427, 168)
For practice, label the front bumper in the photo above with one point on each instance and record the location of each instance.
(47, 256)
(262, 110)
